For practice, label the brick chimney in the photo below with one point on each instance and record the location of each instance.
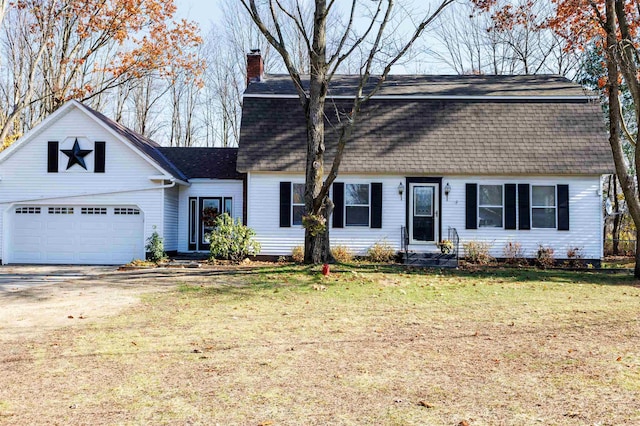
(255, 66)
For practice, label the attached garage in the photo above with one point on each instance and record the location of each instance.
(75, 234)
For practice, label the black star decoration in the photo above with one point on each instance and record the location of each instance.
(76, 155)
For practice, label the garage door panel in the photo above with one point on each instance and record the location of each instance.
(75, 238)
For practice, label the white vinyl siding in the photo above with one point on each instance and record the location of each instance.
(264, 214)
(223, 188)
(585, 211)
(125, 182)
(584, 207)
(171, 199)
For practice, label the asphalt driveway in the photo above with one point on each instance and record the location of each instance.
(20, 277)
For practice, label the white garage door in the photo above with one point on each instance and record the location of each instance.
(76, 234)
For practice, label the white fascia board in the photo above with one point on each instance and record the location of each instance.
(162, 178)
(123, 140)
(40, 127)
(437, 97)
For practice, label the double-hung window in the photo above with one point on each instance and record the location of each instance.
(490, 206)
(543, 206)
(297, 204)
(356, 204)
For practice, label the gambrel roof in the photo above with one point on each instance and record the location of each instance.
(538, 125)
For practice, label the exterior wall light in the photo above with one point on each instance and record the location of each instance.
(447, 190)
(401, 189)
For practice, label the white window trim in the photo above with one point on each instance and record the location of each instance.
(368, 205)
(554, 207)
(295, 204)
(490, 206)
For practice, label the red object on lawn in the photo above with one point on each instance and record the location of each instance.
(325, 269)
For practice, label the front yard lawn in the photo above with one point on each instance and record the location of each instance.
(283, 345)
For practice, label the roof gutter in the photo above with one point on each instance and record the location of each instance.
(88, 194)
(170, 179)
(438, 97)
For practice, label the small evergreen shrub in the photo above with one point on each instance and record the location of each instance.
(297, 254)
(545, 257)
(477, 252)
(342, 254)
(513, 253)
(155, 248)
(381, 252)
(231, 240)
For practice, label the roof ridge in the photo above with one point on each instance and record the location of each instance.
(146, 144)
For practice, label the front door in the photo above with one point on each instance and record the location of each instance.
(210, 209)
(424, 206)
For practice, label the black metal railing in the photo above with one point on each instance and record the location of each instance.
(404, 240)
(455, 240)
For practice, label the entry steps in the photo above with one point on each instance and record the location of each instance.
(430, 260)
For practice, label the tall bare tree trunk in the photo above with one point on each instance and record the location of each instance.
(317, 247)
(616, 57)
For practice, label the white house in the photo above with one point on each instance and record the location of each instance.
(82, 189)
(498, 159)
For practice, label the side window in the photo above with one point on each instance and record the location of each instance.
(356, 204)
(490, 206)
(543, 206)
(297, 202)
(228, 206)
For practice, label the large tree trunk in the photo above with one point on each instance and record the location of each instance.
(317, 247)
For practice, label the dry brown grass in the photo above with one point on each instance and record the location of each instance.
(371, 345)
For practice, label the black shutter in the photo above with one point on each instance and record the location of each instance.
(523, 206)
(338, 202)
(99, 151)
(376, 205)
(510, 206)
(52, 157)
(285, 204)
(471, 206)
(563, 207)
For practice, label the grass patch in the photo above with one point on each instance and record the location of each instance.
(369, 344)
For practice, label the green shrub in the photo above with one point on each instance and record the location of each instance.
(231, 240)
(381, 252)
(477, 252)
(513, 253)
(297, 254)
(544, 257)
(342, 254)
(155, 248)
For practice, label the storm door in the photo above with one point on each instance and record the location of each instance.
(210, 209)
(424, 207)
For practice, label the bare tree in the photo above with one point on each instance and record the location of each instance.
(83, 49)
(381, 46)
(514, 40)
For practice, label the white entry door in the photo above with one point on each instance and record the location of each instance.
(75, 234)
(424, 213)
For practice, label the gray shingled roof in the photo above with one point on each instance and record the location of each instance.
(144, 144)
(211, 163)
(440, 136)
